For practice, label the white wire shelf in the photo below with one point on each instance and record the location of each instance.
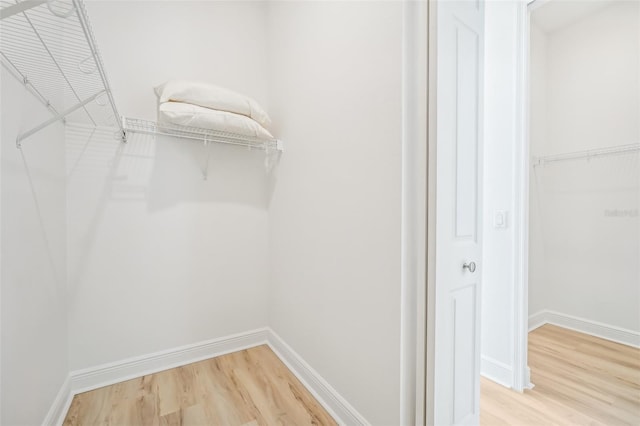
(48, 45)
(136, 125)
(272, 147)
(586, 154)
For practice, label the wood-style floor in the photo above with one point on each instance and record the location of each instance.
(251, 387)
(579, 380)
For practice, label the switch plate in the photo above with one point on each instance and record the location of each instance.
(500, 219)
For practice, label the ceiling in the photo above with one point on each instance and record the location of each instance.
(552, 15)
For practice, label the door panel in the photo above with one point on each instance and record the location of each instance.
(459, 100)
(466, 130)
(464, 327)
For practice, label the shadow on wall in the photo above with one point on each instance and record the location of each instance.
(31, 189)
(166, 171)
(152, 174)
(233, 174)
(40, 174)
(33, 263)
(587, 222)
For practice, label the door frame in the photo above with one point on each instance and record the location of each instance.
(417, 408)
(415, 81)
(521, 372)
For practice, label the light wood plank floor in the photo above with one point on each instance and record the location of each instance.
(579, 380)
(251, 387)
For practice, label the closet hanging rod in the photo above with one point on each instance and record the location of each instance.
(57, 117)
(590, 153)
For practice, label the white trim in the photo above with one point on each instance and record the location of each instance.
(115, 372)
(519, 379)
(536, 4)
(414, 234)
(342, 412)
(432, 120)
(537, 320)
(60, 405)
(107, 374)
(496, 371)
(583, 325)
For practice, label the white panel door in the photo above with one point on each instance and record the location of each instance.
(460, 28)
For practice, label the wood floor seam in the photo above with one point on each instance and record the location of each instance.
(250, 387)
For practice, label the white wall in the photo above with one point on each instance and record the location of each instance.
(158, 257)
(499, 156)
(33, 265)
(584, 259)
(334, 219)
(592, 83)
(612, 262)
(145, 43)
(538, 141)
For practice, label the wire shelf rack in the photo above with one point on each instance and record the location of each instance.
(587, 154)
(272, 147)
(49, 46)
(136, 125)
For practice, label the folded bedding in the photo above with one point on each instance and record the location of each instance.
(185, 114)
(213, 97)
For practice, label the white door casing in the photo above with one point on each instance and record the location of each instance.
(459, 98)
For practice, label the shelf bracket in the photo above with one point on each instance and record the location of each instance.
(20, 7)
(57, 117)
(205, 172)
(123, 129)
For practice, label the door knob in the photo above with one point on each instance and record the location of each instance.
(471, 266)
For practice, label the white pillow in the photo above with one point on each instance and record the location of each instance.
(209, 96)
(206, 118)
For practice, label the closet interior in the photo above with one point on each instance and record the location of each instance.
(50, 48)
(585, 175)
(120, 260)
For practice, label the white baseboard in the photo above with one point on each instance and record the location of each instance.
(528, 381)
(60, 405)
(331, 400)
(537, 320)
(496, 371)
(107, 374)
(593, 328)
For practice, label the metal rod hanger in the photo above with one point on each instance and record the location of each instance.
(48, 45)
(590, 153)
(55, 118)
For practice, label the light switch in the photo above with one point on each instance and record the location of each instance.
(500, 219)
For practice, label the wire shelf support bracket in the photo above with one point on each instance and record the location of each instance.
(49, 47)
